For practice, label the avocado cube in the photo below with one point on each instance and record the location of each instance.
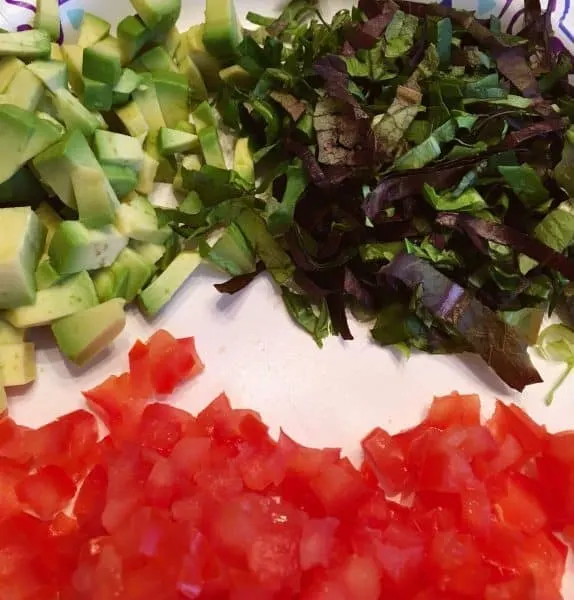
(21, 245)
(171, 141)
(191, 204)
(73, 56)
(243, 161)
(172, 91)
(56, 52)
(203, 116)
(238, 77)
(75, 115)
(122, 179)
(133, 120)
(52, 73)
(158, 15)
(147, 100)
(110, 284)
(102, 61)
(26, 135)
(136, 219)
(46, 276)
(156, 295)
(76, 248)
(92, 30)
(189, 163)
(26, 44)
(85, 334)
(49, 218)
(96, 199)
(133, 35)
(117, 149)
(97, 95)
(197, 89)
(147, 175)
(17, 364)
(129, 81)
(24, 91)
(222, 32)
(208, 65)
(9, 334)
(48, 17)
(155, 59)
(151, 253)
(9, 66)
(65, 298)
(211, 147)
(170, 40)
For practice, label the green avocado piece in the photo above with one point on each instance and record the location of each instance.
(208, 65)
(151, 253)
(25, 91)
(85, 334)
(49, 218)
(186, 126)
(117, 149)
(197, 89)
(128, 83)
(10, 335)
(21, 245)
(21, 189)
(52, 73)
(47, 17)
(9, 66)
(133, 35)
(76, 248)
(103, 61)
(189, 163)
(222, 33)
(147, 100)
(56, 52)
(17, 364)
(238, 77)
(171, 141)
(92, 30)
(158, 15)
(122, 179)
(155, 59)
(243, 161)
(162, 289)
(203, 116)
(97, 95)
(172, 91)
(147, 175)
(65, 298)
(109, 284)
(132, 119)
(211, 147)
(73, 56)
(26, 44)
(75, 115)
(96, 199)
(26, 135)
(191, 204)
(170, 40)
(46, 276)
(136, 219)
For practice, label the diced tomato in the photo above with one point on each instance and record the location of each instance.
(91, 500)
(360, 576)
(47, 491)
(447, 411)
(387, 460)
(273, 556)
(518, 588)
(303, 461)
(317, 541)
(140, 371)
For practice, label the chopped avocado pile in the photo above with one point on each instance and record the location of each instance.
(92, 125)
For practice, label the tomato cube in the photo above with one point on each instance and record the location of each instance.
(46, 492)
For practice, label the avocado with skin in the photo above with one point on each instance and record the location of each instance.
(122, 179)
(17, 364)
(76, 248)
(92, 30)
(52, 73)
(47, 17)
(117, 149)
(67, 297)
(158, 15)
(85, 334)
(29, 44)
(222, 32)
(103, 61)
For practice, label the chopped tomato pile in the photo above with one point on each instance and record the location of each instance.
(172, 506)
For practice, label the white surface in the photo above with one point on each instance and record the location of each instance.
(329, 397)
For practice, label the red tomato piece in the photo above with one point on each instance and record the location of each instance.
(317, 541)
(140, 371)
(273, 557)
(162, 427)
(387, 460)
(521, 587)
(11, 474)
(91, 500)
(561, 447)
(446, 411)
(360, 576)
(161, 483)
(303, 461)
(46, 492)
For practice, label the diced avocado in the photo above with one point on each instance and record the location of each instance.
(170, 40)
(122, 179)
(197, 89)
(52, 73)
(128, 82)
(9, 334)
(85, 334)
(26, 135)
(232, 252)
(238, 77)
(97, 95)
(148, 251)
(17, 364)
(208, 65)
(156, 295)
(9, 66)
(92, 30)
(203, 116)
(133, 35)
(189, 163)
(74, 57)
(211, 147)
(26, 44)
(21, 245)
(136, 218)
(171, 141)
(96, 199)
(125, 278)
(133, 120)
(102, 61)
(22, 188)
(56, 52)
(243, 161)
(24, 91)
(146, 98)
(155, 59)
(48, 17)
(71, 295)
(49, 218)
(222, 33)
(158, 15)
(191, 204)
(76, 248)
(172, 91)
(75, 115)
(185, 125)
(147, 175)
(117, 149)
(46, 276)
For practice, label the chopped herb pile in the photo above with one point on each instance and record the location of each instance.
(407, 161)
